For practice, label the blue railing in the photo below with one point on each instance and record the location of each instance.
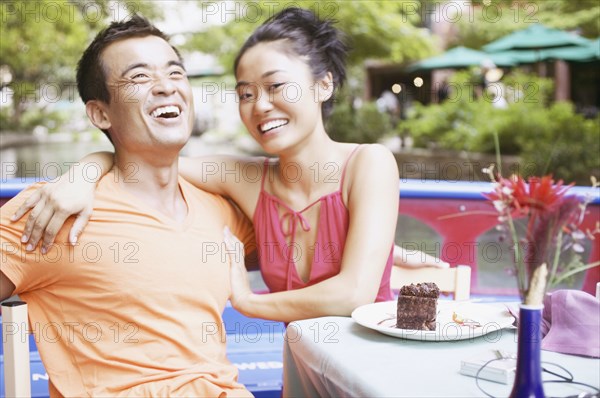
(255, 345)
(468, 190)
(409, 188)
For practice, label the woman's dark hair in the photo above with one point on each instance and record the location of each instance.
(91, 75)
(310, 37)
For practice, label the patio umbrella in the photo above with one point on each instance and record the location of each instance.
(535, 37)
(522, 56)
(460, 57)
(589, 51)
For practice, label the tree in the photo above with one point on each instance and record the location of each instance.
(385, 30)
(491, 19)
(40, 43)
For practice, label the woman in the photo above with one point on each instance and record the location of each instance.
(324, 212)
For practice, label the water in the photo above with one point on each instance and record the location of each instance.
(49, 160)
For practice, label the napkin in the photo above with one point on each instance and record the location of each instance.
(571, 323)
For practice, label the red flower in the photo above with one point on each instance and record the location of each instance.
(515, 196)
(544, 195)
(548, 212)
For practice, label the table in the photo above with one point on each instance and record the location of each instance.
(336, 357)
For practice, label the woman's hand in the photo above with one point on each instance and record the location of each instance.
(416, 258)
(240, 287)
(52, 204)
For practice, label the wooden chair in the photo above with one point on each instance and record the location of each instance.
(17, 371)
(456, 280)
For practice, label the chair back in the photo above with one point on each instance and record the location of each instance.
(456, 280)
(15, 329)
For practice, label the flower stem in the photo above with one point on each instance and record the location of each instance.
(497, 148)
(518, 256)
(575, 271)
(555, 260)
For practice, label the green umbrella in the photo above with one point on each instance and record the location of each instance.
(582, 53)
(522, 56)
(591, 52)
(535, 37)
(460, 57)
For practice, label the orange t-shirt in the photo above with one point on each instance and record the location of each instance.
(135, 308)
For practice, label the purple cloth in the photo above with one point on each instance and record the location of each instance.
(571, 323)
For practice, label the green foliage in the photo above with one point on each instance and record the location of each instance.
(491, 19)
(42, 40)
(484, 24)
(582, 15)
(565, 144)
(363, 125)
(548, 138)
(384, 30)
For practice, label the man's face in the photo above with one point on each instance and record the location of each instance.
(151, 106)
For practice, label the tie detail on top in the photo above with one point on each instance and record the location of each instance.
(276, 225)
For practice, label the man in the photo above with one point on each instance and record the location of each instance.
(134, 309)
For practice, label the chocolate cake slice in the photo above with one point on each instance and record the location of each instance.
(417, 306)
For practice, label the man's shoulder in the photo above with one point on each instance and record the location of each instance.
(208, 201)
(198, 194)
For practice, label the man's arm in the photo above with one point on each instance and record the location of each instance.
(6, 287)
(54, 203)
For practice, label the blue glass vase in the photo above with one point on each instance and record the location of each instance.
(528, 377)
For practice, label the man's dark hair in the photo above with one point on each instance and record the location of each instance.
(91, 74)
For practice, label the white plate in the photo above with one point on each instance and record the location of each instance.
(382, 317)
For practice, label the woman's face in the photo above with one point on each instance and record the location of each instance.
(280, 101)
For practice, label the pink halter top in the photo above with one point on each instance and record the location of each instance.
(277, 256)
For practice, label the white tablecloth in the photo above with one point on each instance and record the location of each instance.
(335, 357)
